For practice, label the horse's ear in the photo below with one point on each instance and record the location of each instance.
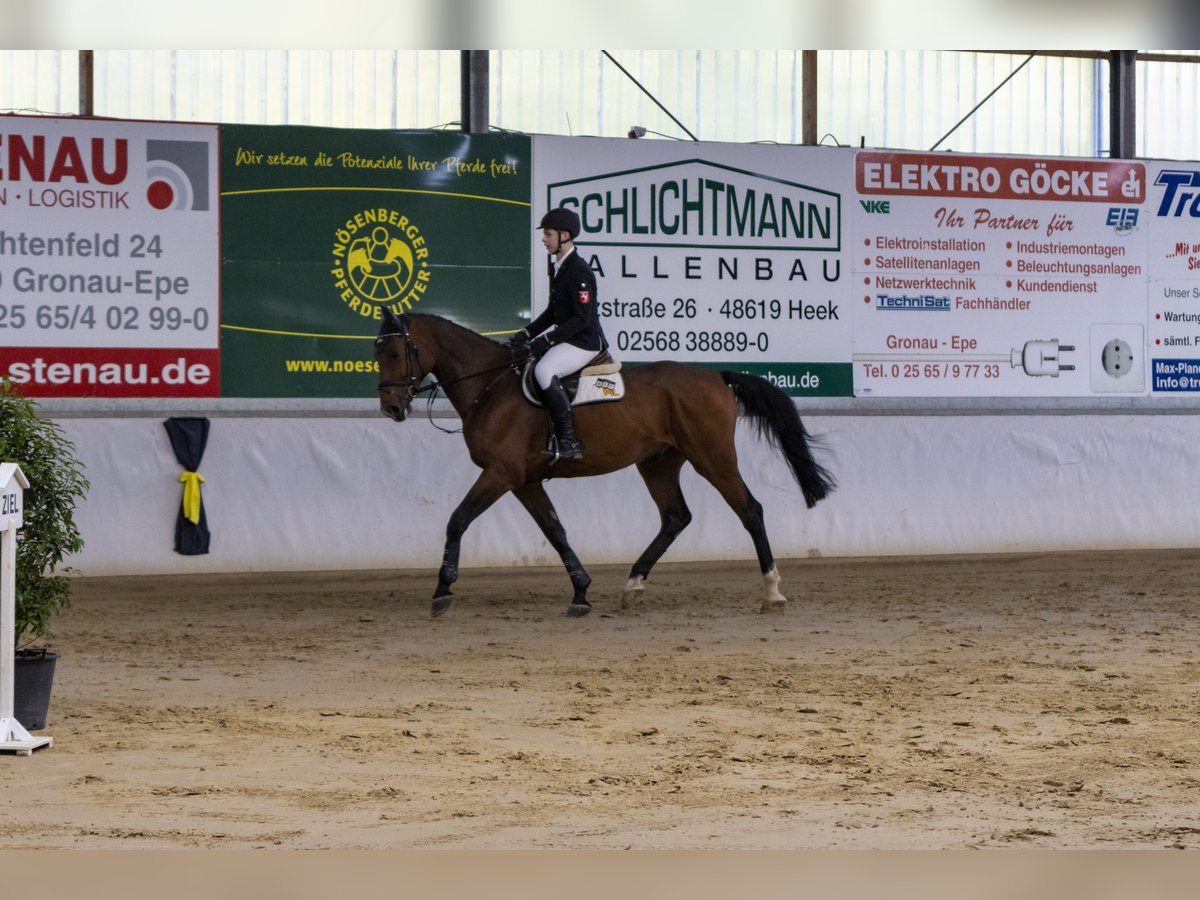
(389, 324)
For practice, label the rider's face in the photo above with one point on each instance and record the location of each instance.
(552, 240)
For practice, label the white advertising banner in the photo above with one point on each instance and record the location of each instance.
(723, 255)
(109, 257)
(1173, 217)
(839, 272)
(999, 276)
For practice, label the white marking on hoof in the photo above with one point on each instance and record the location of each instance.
(633, 590)
(773, 601)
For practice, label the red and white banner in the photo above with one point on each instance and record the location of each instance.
(109, 257)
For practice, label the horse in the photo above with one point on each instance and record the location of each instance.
(672, 413)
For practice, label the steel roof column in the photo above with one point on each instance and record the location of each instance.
(808, 105)
(475, 91)
(1122, 104)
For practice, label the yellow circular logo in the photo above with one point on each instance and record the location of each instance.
(380, 261)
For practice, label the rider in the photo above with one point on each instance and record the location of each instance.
(567, 335)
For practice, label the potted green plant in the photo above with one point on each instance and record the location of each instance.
(47, 536)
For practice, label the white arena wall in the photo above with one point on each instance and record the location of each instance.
(358, 492)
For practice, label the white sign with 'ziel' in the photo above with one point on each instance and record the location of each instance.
(13, 483)
(12, 494)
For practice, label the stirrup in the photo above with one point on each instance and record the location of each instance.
(554, 450)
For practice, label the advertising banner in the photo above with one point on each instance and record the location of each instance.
(324, 228)
(109, 258)
(728, 256)
(999, 276)
(1173, 218)
(144, 259)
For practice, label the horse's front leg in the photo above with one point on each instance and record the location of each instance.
(537, 503)
(484, 492)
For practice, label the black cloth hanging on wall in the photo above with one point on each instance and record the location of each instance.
(189, 437)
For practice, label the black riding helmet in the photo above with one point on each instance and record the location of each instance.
(561, 219)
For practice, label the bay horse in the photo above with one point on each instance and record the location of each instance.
(671, 413)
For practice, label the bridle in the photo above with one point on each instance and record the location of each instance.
(411, 382)
(412, 361)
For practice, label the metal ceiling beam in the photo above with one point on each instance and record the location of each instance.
(991, 94)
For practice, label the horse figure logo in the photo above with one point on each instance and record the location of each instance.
(380, 259)
(379, 265)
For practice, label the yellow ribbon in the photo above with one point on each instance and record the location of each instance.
(191, 496)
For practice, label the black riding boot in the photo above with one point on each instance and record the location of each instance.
(564, 426)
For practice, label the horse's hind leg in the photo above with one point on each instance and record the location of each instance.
(537, 503)
(750, 511)
(719, 466)
(661, 474)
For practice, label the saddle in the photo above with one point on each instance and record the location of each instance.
(600, 381)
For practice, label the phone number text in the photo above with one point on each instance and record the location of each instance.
(931, 370)
(75, 316)
(691, 341)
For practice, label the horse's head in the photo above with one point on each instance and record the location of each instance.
(400, 369)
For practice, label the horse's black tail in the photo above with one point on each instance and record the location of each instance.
(774, 415)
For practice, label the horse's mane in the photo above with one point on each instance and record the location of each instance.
(477, 342)
(455, 325)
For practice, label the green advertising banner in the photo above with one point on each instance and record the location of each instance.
(324, 228)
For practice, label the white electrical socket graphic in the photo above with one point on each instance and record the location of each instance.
(1118, 358)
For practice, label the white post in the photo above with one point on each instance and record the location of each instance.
(8, 586)
(13, 735)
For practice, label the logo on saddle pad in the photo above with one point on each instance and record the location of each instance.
(596, 383)
(380, 261)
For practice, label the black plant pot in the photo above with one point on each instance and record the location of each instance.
(33, 677)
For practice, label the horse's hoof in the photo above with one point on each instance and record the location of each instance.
(575, 610)
(634, 588)
(776, 608)
(441, 604)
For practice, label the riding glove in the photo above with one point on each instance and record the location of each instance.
(520, 339)
(540, 345)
